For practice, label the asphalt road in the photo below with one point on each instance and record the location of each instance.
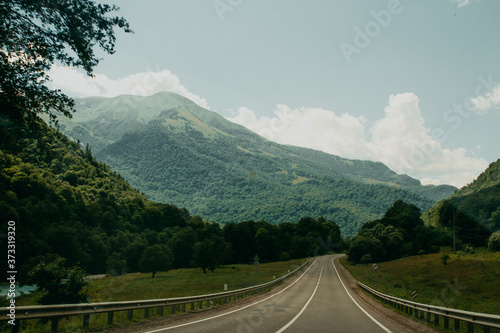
(316, 301)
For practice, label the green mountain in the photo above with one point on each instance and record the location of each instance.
(64, 203)
(179, 153)
(473, 211)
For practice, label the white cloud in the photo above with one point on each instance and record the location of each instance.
(77, 84)
(309, 127)
(462, 3)
(400, 139)
(490, 100)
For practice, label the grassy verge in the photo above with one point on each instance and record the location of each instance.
(175, 283)
(467, 281)
(179, 282)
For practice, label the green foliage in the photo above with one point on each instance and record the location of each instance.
(156, 258)
(61, 284)
(399, 233)
(494, 241)
(444, 258)
(366, 248)
(85, 218)
(36, 34)
(116, 265)
(210, 253)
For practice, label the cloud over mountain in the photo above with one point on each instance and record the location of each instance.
(400, 139)
(77, 84)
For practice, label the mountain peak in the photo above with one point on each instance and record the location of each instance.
(179, 153)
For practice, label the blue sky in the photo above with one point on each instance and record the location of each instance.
(413, 84)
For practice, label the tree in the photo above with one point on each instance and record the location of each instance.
(61, 284)
(133, 253)
(361, 246)
(182, 244)
(36, 34)
(116, 265)
(156, 258)
(210, 253)
(403, 216)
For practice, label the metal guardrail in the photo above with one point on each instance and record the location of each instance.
(55, 312)
(487, 321)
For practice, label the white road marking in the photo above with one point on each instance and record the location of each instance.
(226, 313)
(305, 306)
(359, 306)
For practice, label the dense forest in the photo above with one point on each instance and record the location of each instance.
(67, 204)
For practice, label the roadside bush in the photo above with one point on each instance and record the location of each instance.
(366, 259)
(494, 241)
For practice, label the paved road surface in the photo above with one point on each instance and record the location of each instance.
(317, 301)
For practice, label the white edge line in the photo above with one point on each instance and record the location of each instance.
(305, 306)
(359, 306)
(233, 311)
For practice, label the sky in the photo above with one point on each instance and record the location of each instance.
(412, 84)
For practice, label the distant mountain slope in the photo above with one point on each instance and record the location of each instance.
(179, 153)
(474, 208)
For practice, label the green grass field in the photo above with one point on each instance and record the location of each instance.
(175, 283)
(468, 281)
(179, 282)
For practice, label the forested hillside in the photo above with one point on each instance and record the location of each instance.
(177, 152)
(66, 204)
(474, 210)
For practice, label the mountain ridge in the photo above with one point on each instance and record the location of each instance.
(177, 152)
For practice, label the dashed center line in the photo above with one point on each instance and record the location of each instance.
(305, 306)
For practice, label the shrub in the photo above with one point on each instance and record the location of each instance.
(444, 258)
(494, 241)
(366, 259)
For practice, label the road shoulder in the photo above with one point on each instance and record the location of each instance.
(403, 322)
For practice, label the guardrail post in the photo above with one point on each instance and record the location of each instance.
(160, 311)
(55, 321)
(428, 317)
(470, 327)
(86, 320)
(486, 329)
(200, 305)
(183, 307)
(146, 312)
(192, 306)
(110, 318)
(130, 314)
(436, 319)
(172, 309)
(446, 322)
(457, 325)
